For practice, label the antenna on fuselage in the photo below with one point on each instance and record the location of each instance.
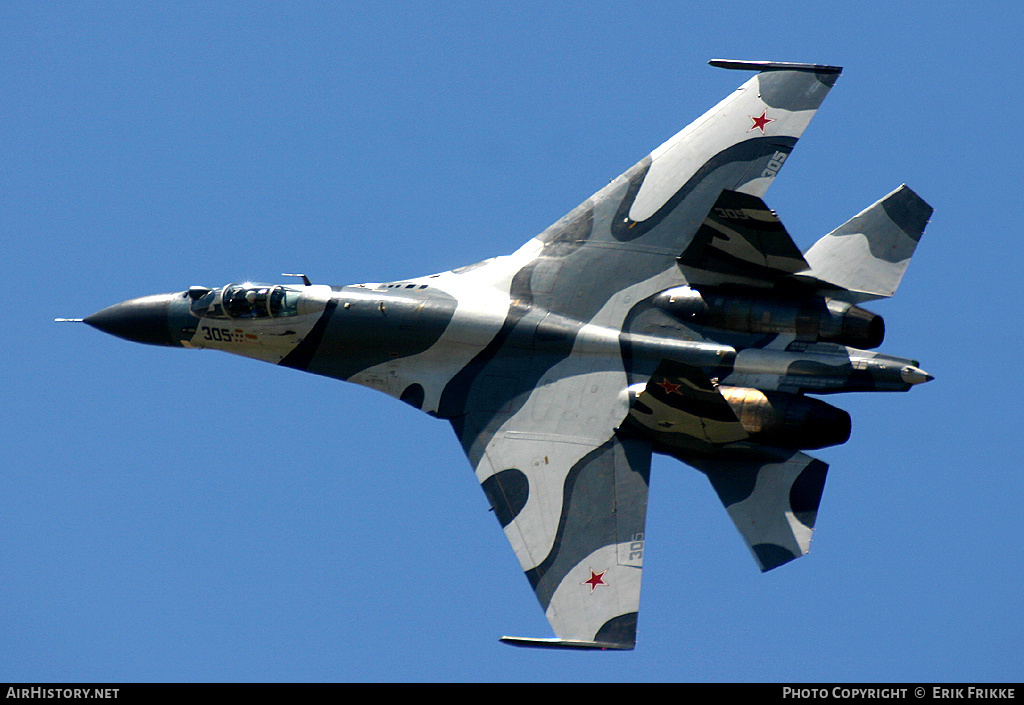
(305, 279)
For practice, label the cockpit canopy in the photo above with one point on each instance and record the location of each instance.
(246, 300)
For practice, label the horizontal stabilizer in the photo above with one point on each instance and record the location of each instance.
(772, 498)
(564, 644)
(868, 255)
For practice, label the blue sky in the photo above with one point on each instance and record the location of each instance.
(171, 515)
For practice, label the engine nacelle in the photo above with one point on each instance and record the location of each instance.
(787, 420)
(809, 318)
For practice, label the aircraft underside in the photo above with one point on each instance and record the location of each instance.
(671, 312)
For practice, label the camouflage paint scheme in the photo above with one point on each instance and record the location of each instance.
(670, 312)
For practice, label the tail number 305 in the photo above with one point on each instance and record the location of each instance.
(222, 335)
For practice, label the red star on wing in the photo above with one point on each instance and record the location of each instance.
(595, 580)
(760, 122)
(669, 387)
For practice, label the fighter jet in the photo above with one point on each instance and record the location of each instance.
(669, 313)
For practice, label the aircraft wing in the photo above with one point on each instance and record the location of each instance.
(571, 495)
(540, 429)
(636, 227)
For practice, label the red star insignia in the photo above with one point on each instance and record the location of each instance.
(669, 387)
(595, 580)
(760, 122)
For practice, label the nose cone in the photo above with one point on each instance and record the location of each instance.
(142, 320)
